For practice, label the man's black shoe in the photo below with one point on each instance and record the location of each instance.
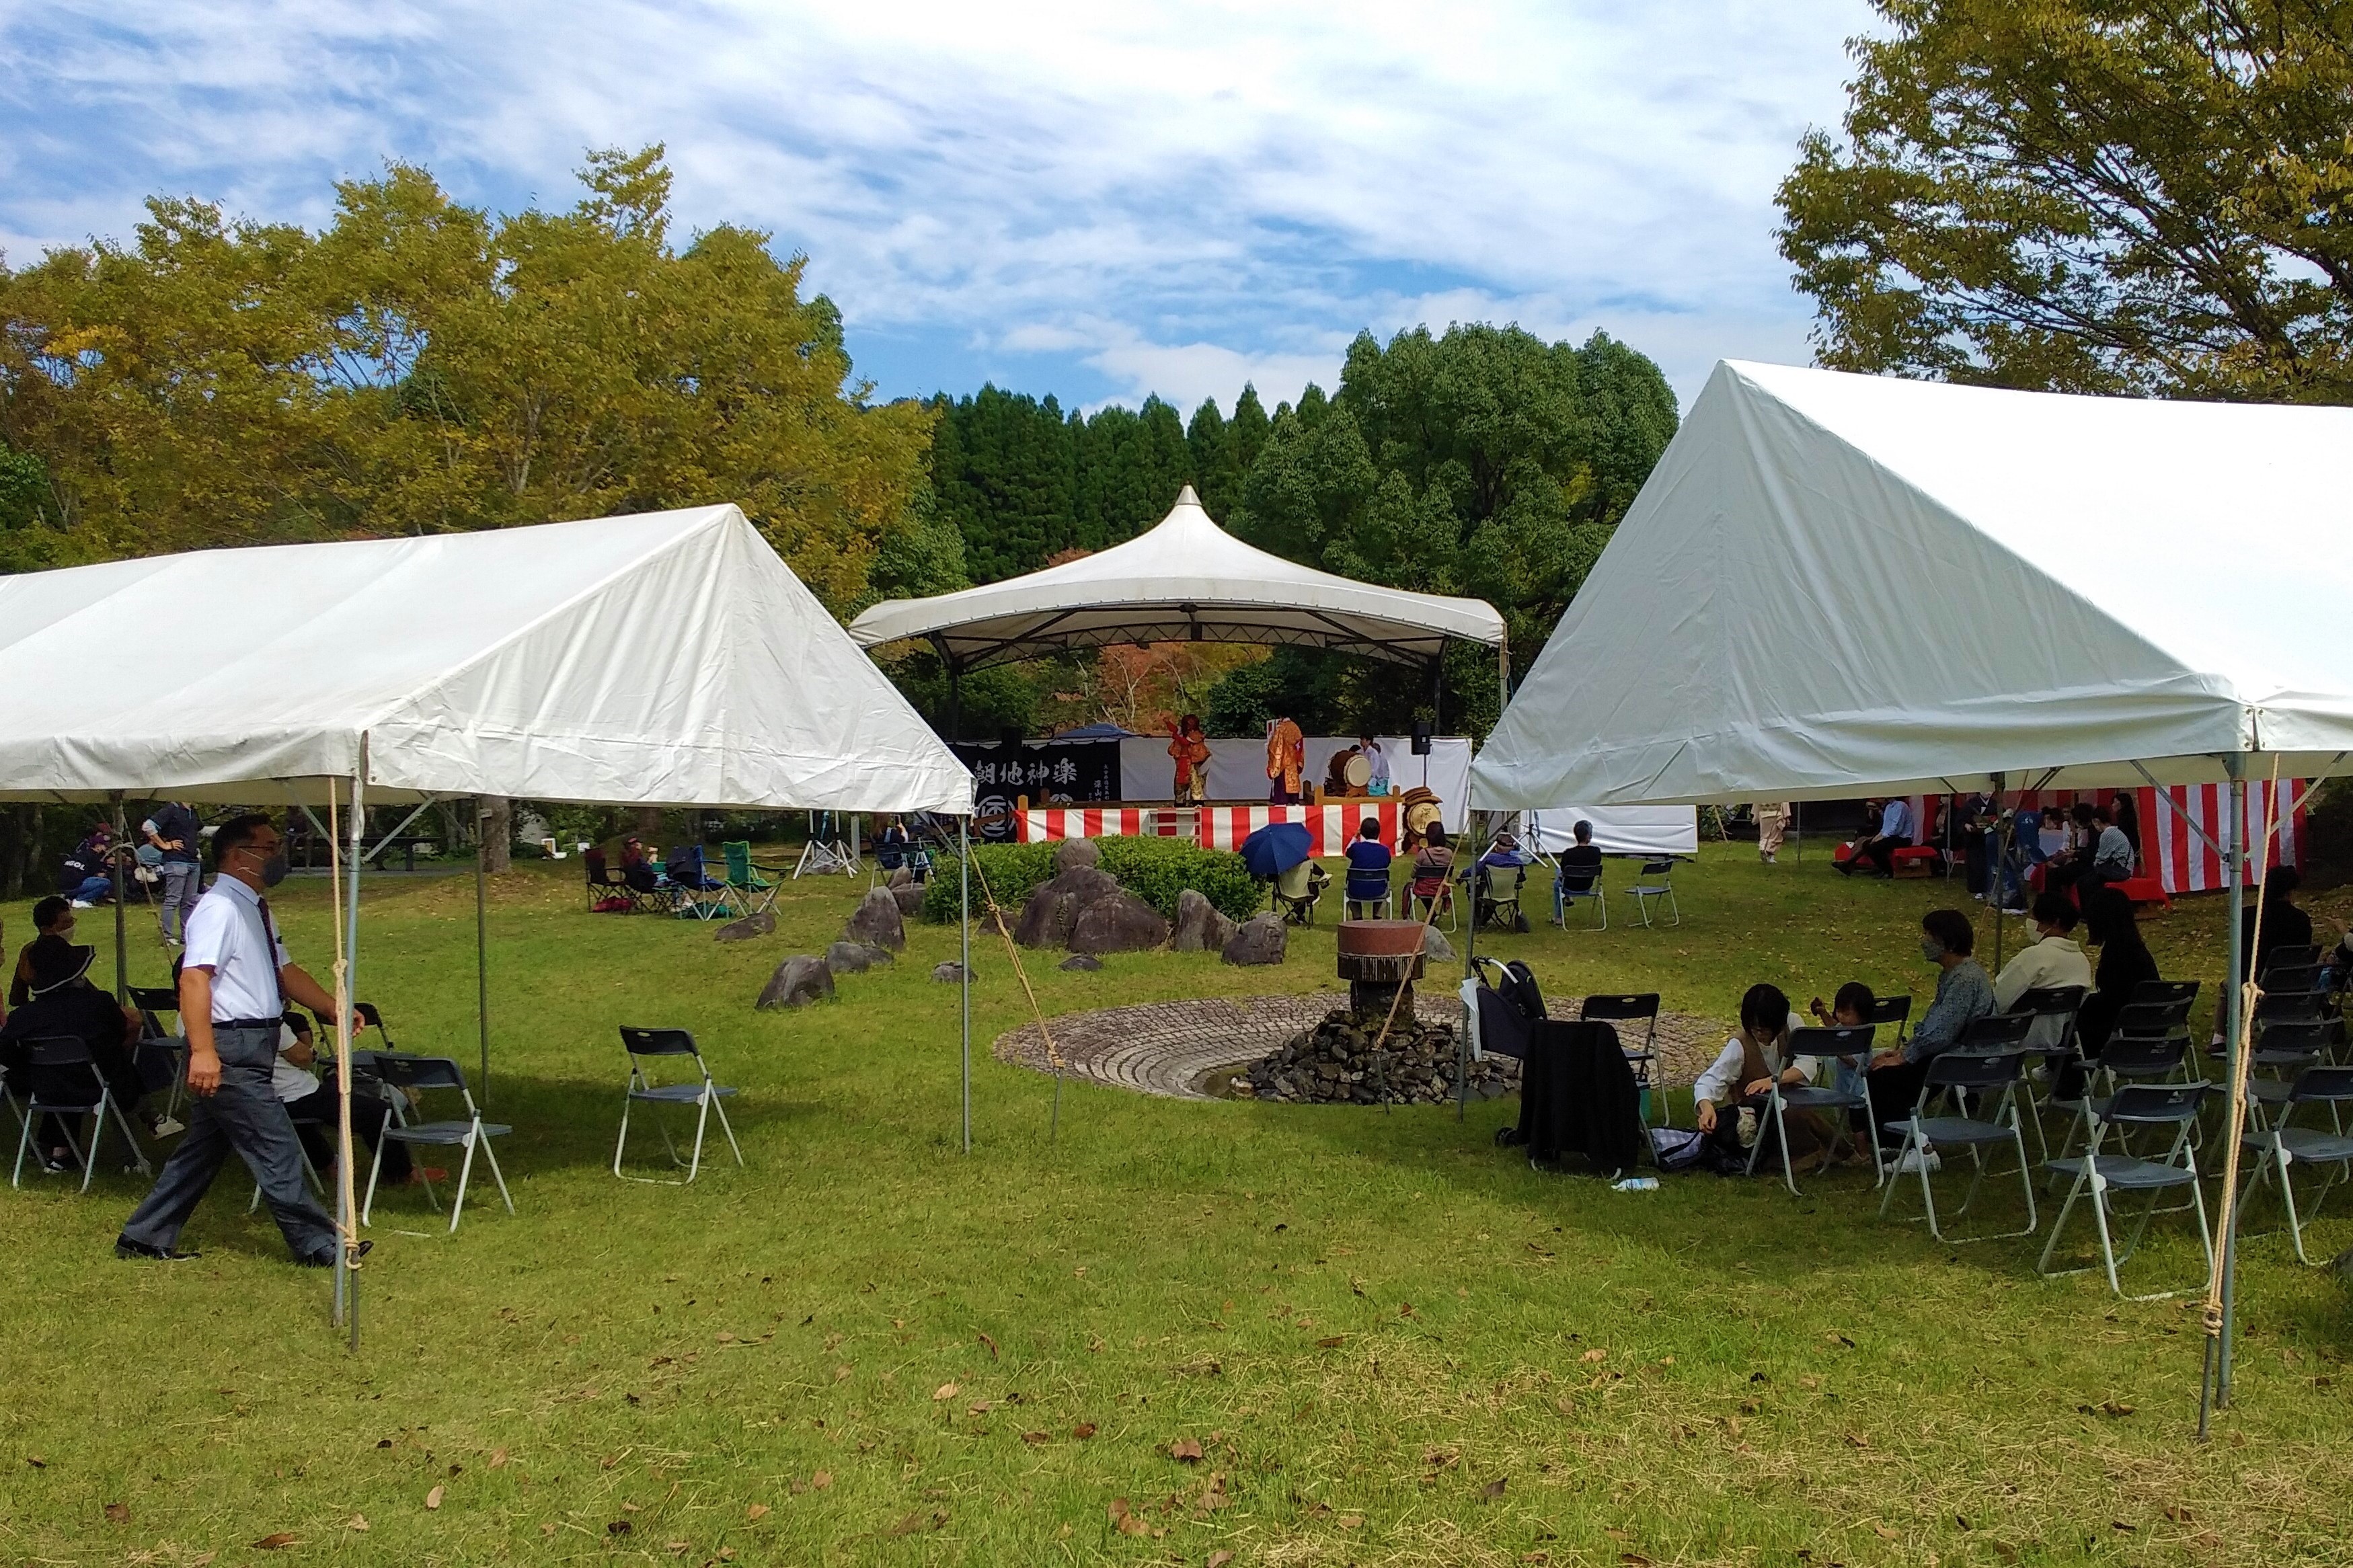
(139, 1251)
(327, 1260)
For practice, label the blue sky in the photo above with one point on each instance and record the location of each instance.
(1099, 201)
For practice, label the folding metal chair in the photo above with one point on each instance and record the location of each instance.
(1425, 897)
(2050, 1011)
(1635, 1007)
(1895, 1011)
(2149, 1106)
(1369, 895)
(2297, 957)
(2283, 1145)
(1955, 1076)
(1571, 887)
(2164, 990)
(1655, 883)
(1848, 1045)
(648, 1045)
(426, 1075)
(2283, 1051)
(63, 1054)
(157, 1038)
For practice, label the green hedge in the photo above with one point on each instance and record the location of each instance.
(1153, 869)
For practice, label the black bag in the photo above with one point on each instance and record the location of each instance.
(1577, 1095)
(1509, 1009)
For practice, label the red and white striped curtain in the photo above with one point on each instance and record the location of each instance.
(1220, 826)
(2175, 854)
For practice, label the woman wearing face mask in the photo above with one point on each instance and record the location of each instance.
(1964, 994)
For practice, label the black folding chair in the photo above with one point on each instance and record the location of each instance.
(2152, 1107)
(69, 1097)
(161, 1041)
(1955, 1076)
(2051, 1011)
(646, 1046)
(425, 1075)
(1630, 1007)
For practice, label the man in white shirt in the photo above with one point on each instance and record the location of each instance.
(1879, 848)
(2053, 962)
(235, 982)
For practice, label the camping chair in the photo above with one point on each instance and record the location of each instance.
(694, 892)
(2283, 1144)
(604, 883)
(1955, 1076)
(2148, 1106)
(1653, 884)
(1630, 1007)
(425, 1075)
(1295, 892)
(1495, 897)
(62, 1054)
(749, 879)
(1848, 1045)
(1569, 887)
(644, 1046)
(1368, 894)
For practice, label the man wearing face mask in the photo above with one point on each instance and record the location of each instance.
(235, 983)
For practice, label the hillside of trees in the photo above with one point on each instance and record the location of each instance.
(1482, 461)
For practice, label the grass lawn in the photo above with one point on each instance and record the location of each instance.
(1392, 1341)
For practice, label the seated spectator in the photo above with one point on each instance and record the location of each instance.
(63, 1004)
(1732, 1097)
(316, 1113)
(1849, 1009)
(2125, 961)
(53, 925)
(2284, 925)
(636, 867)
(1580, 863)
(1505, 851)
(1964, 994)
(1878, 849)
(1368, 868)
(87, 876)
(1433, 863)
(2111, 856)
(890, 847)
(2051, 960)
(2127, 817)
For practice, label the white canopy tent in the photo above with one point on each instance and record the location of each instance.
(1836, 582)
(1183, 580)
(670, 658)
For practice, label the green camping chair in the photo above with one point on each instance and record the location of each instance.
(745, 878)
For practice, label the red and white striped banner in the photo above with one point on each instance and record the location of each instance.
(1219, 826)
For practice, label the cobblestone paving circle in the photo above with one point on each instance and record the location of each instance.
(1165, 1047)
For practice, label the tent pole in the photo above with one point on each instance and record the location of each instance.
(358, 830)
(1798, 830)
(2235, 837)
(1470, 971)
(482, 941)
(122, 938)
(964, 983)
(1437, 701)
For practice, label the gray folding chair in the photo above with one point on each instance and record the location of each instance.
(646, 1046)
(63, 1054)
(1955, 1076)
(2283, 1145)
(2153, 1107)
(1635, 1007)
(1572, 887)
(1852, 1045)
(159, 1039)
(426, 1075)
(1654, 884)
(2050, 1011)
(2282, 1051)
(1895, 1011)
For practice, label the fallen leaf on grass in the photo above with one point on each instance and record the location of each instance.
(840, 1373)
(1124, 1521)
(1595, 1355)
(1885, 1534)
(2120, 1524)
(1331, 1342)
(2178, 1514)
(1186, 1450)
(980, 1407)
(38, 1462)
(992, 1346)
(1492, 1489)
(118, 1512)
(907, 1526)
(1835, 1337)
(944, 1391)
(1351, 1520)
(757, 1510)
(1857, 1441)
(1035, 1439)
(1633, 1560)
(278, 1541)
(357, 1523)
(433, 1497)
(498, 1458)
(2114, 1407)
(1083, 1430)
(679, 1545)
(1219, 1557)
(822, 1479)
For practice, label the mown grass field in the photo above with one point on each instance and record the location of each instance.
(1392, 1341)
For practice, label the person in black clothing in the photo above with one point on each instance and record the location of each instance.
(2284, 925)
(53, 924)
(63, 1004)
(2125, 961)
(1581, 861)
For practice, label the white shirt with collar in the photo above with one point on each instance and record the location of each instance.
(1721, 1082)
(226, 935)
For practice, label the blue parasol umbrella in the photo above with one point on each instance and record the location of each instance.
(1276, 848)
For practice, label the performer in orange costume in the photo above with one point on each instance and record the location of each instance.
(1286, 760)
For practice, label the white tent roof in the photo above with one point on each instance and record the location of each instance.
(1835, 581)
(670, 658)
(1185, 580)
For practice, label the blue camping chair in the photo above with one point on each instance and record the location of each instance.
(694, 892)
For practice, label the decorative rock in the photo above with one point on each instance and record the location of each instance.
(910, 898)
(1081, 963)
(1052, 911)
(1121, 922)
(947, 974)
(798, 981)
(900, 877)
(853, 958)
(1435, 947)
(1335, 1063)
(1072, 853)
(1200, 927)
(1257, 940)
(744, 930)
(876, 922)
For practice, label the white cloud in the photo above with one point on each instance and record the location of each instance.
(1179, 191)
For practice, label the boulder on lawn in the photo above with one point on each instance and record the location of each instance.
(1257, 940)
(900, 877)
(1200, 928)
(1081, 963)
(744, 930)
(1072, 853)
(1435, 947)
(876, 922)
(854, 957)
(947, 974)
(798, 981)
(1053, 910)
(1118, 922)
(910, 898)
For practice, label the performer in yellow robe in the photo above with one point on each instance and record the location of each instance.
(1286, 760)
